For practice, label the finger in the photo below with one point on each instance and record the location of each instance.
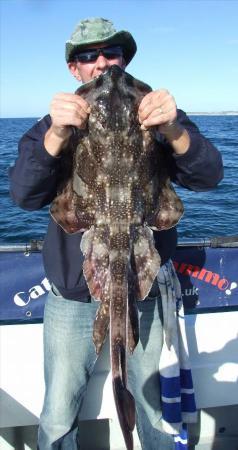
(159, 100)
(145, 100)
(83, 103)
(145, 106)
(68, 106)
(160, 107)
(70, 120)
(68, 109)
(164, 111)
(154, 97)
(152, 109)
(71, 99)
(156, 118)
(69, 114)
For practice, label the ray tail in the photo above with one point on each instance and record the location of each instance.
(119, 263)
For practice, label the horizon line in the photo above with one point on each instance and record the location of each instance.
(226, 112)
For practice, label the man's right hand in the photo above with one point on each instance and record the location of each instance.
(66, 110)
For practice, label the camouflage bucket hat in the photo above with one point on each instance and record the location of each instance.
(97, 31)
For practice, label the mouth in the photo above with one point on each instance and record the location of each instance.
(101, 73)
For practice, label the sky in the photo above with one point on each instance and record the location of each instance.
(189, 47)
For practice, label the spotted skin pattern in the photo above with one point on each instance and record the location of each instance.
(118, 191)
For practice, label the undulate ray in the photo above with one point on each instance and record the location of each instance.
(118, 190)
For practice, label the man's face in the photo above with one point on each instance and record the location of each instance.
(86, 71)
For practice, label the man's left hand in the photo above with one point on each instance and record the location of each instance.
(158, 108)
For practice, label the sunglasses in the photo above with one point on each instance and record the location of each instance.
(92, 55)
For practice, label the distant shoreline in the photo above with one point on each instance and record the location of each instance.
(192, 113)
(220, 113)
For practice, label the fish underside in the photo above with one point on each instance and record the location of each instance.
(119, 190)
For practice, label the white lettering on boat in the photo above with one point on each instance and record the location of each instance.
(23, 298)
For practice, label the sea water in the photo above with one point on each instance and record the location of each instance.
(207, 214)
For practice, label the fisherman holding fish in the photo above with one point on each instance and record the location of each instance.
(69, 352)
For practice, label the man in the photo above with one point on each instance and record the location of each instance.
(70, 356)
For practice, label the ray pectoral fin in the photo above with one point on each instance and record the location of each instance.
(101, 324)
(96, 263)
(146, 262)
(170, 209)
(97, 275)
(63, 211)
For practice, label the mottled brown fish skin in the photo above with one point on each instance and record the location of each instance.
(119, 317)
(118, 191)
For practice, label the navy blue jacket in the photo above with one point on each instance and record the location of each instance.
(35, 177)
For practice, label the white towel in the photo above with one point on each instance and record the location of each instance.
(177, 393)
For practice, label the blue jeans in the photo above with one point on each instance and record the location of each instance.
(70, 357)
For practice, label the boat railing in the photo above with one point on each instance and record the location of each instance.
(35, 245)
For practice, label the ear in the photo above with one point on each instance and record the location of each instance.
(73, 68)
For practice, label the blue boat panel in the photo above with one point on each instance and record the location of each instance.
(23, 287)
(208, 276)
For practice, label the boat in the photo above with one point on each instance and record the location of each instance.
(207, 269)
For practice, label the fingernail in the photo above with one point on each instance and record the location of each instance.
(143, 127)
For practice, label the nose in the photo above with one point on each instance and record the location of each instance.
(101, 62)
